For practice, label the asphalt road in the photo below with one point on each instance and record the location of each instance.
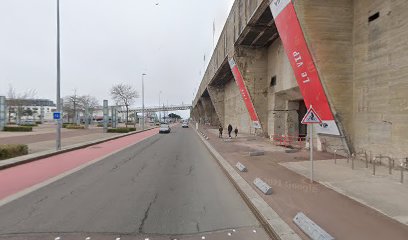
(167, 185)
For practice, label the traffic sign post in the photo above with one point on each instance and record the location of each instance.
(310, 118)
(57, 115)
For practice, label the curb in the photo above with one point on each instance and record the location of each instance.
(270, 220)
(12, 162)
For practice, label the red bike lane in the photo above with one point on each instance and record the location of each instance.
(18, 178)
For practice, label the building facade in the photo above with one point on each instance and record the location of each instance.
(347, 58)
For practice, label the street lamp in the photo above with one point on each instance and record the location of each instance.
(143, 119)
(58, 140)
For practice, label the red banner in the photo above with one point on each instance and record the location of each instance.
(244, 92)
(302, 63)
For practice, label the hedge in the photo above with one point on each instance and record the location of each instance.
(101, 125)
(12, 150)
(73, 126)
(28, 125)
(18, 129)
(121, 130)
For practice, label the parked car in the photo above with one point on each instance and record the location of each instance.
(164, 128)
(184, 125)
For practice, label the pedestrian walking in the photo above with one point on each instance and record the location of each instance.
(236, 132)
(229, 130)
(220, 129)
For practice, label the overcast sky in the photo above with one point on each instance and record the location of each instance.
(104, 42)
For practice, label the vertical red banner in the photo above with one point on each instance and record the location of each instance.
(244, 93)
(303, 66)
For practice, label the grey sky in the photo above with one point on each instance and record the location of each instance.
(108, 41)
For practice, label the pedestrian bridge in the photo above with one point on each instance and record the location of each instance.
(160, 108)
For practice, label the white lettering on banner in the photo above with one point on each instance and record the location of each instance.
(299, 63)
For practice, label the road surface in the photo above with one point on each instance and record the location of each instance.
(165, 187)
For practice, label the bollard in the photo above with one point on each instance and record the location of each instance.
(402, 174)
(371, 157)
(380, 159)
(366, 158)
(335, 157)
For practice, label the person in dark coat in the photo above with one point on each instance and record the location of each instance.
(229, 130)
(236, 131)
(220, 129)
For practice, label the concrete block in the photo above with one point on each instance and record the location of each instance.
(241, 167)
(257, 153)
(314, 231)
(291, 150)
(263, 186)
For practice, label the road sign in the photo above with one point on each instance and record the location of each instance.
(57, 115)
(311, 117)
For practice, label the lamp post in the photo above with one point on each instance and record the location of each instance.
(143, 116)
(58, 140)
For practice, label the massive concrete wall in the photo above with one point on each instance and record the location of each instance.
(236, 113)
(381, 77)
(328, 29)
(253, 65)
(284, 89)
(362, 64)
(239, 17)
(217, 98)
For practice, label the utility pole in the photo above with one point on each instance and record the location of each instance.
(58, 140)
(143, 115)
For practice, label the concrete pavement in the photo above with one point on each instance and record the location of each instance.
(342, 217)
(382, 192)
(165, 185)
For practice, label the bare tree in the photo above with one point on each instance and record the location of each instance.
(75, 104)
(17, 101)
(124, 94)
(71, 106)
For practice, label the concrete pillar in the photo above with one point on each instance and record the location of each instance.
(114, 113)
(2, 112)
(253, 65)
(217, 95)
(209, 111)
(200, 111)
(105, 116)
(292, 118)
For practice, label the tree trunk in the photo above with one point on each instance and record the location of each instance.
(127, 116)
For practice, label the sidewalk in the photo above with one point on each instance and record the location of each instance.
(339, 215)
